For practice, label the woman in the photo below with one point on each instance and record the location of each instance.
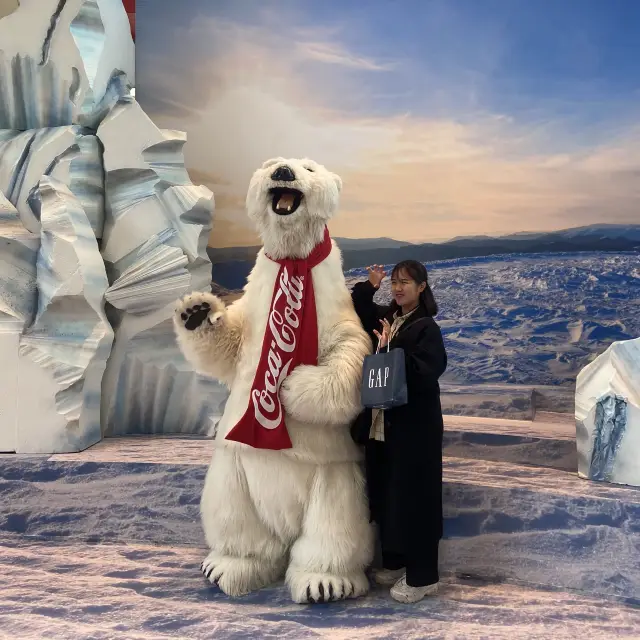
(403, 445)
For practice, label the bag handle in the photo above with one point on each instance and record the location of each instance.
(378, 347)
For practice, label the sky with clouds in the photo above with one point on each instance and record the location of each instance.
(443, 117)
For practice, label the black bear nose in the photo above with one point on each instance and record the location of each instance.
(283, 174)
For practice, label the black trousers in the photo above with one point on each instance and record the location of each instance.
(422, 567)
(405, 540)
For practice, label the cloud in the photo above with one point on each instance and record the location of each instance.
(211, 56)
(332, 53)
(243, 97)
(438, 179)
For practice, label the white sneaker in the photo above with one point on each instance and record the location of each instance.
(402, 592)
(387, 577)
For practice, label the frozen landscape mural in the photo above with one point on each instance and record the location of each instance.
(496, 141)
(513, 176)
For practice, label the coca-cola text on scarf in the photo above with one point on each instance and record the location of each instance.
(290, 339)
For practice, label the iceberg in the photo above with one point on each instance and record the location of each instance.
(63, 353)
(70, 154)
(58, 60)
(74, 144)
(18, 303)
(608, 415)
(154, 247)
(18, 255)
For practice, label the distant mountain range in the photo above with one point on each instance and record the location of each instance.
(232, 265)
(594, 231)
(358, 244)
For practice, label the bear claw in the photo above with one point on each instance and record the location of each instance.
(330, 594)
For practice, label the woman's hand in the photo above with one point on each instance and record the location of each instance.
(376, 275)
(384, 336)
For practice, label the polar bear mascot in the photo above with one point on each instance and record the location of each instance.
(284, 490)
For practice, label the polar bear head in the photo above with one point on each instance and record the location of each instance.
(290, 202)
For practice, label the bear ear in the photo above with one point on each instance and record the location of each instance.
(338, 181)
(270, 163)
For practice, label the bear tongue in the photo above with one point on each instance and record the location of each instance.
(286, 201)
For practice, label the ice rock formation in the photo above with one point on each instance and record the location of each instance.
(154, 247)
(66, 88)
(64, 352)
(59, 60)
(70, 154)
(608, 415)
(18, 301)
(18, 253)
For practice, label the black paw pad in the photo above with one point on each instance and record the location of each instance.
(194, 316)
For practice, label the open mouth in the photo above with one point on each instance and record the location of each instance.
(285, 201)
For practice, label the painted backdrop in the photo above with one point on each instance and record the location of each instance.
(498, 141)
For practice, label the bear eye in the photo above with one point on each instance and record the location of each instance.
(308, 169)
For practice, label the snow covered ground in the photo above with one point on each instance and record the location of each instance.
(77, 591)
(107, 544)
(533, 319)
(503, 520)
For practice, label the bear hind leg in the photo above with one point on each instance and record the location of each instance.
(329, 559)
(245, 555)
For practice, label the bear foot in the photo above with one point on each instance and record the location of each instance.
(239, 576)
(193, 310)
(317, 588)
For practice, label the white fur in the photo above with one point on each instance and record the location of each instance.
(306, 504)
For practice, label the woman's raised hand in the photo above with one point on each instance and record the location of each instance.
(376, 275)
(383, 337)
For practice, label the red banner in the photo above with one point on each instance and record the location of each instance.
(130, 8)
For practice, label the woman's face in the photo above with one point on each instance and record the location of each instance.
(406, 291)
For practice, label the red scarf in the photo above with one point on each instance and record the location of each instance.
(290, 339)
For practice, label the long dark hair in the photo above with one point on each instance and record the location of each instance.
(418, 273)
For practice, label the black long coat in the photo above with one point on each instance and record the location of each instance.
(404, 475)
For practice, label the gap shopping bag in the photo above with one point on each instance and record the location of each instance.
(384, 380)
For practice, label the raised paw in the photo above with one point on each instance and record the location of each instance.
(193, 310)
(194, 316)
(322, 588)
